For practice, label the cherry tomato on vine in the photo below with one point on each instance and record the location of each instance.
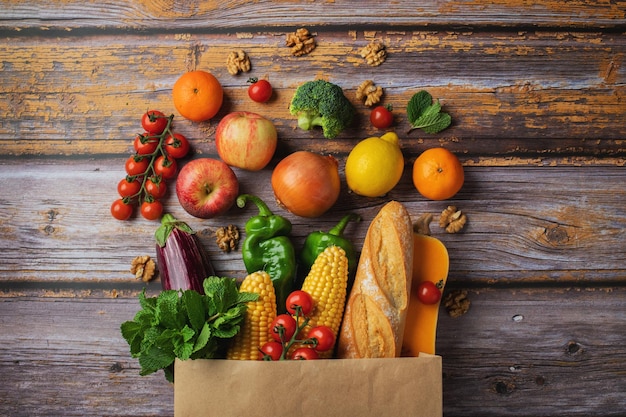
(259, 90)
(165, 167)
(305, 354)
(127, 188)
(137, 165)
(154, 121)
(381, 117)
(324, 336)
(120, 210)
(151, 210)
(176, 146)
(155, 187)
(145, 144)
(428, 292)
(302, 299)
(272, 350)
(288, 325)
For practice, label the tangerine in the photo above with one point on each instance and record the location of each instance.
(438, 174)
(197, 95)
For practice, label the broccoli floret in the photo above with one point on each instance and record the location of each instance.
(321, 103)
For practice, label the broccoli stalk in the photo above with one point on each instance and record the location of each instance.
(322, 104)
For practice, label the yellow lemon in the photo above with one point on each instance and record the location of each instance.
(375, 165)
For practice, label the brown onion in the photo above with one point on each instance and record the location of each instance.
(306, 184)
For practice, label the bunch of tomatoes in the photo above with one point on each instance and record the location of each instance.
(154, 162)
(287, 327)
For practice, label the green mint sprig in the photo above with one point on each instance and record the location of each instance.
(185, 324)
(425, 114)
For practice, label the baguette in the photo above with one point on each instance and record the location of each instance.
(375, 313)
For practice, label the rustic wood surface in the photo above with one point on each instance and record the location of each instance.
(536, 91)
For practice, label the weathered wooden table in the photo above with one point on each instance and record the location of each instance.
(536, 91)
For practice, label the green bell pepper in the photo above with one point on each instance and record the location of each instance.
(317, 242)
(268, 248)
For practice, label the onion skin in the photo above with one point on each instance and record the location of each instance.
(306, 184)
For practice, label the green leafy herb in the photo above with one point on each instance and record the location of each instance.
(425, 114)
(185, 324)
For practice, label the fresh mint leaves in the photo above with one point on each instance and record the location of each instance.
(185, 324)
(425, 114)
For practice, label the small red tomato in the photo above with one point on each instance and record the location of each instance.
(381, 117)
(259, 90)
(154, 121)
(302, 299)
(151, 210)
(428, 292)
(145, 144)
(121, 210)
(305, 354)
(155, 187)
(165, 167)
(176, 146)
(137, 165)
(283, 327)
(324, 336)
(271, 351)
(128, 188)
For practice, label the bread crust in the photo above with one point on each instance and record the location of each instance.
(375, 313)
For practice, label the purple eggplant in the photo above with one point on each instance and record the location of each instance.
(183, 262)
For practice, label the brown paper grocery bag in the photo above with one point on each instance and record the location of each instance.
(410, 387)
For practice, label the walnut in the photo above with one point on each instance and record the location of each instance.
(422, 224)
(227, 237)
(374, 53)
(370, 92)
(238, 61)
(456, 303)
(301, 42)
(452, 219)
(143, 267)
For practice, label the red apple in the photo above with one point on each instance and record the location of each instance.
(246, 140)
(206, 187)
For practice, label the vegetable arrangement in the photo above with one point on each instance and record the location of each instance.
(274, 314)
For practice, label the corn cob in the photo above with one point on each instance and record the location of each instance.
(327, 284)
(255, 328)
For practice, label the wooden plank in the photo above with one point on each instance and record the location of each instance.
(536, 224)
(495, 85)
(511, 351)
(226, 15)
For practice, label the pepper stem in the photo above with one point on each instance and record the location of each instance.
(263, 209)
(339, 228)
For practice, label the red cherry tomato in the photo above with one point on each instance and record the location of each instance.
(137, 165)
(271, 351)
(154, 121)
(324, 336)
(128, 188)
(381, 117)
(428, 292)
(151, 210)
(121, 210)
(259, 90)
(305, 354)
(176, 146)
(155, 187)
(283, 327)
(145, 144)
(165, 167)
(302, 299)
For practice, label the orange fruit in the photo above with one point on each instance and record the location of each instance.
(438, 174)
(197, 95)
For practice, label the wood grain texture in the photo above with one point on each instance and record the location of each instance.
(232, 15)
(536, 91)
(540, 350)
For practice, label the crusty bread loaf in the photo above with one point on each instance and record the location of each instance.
(375, 313)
